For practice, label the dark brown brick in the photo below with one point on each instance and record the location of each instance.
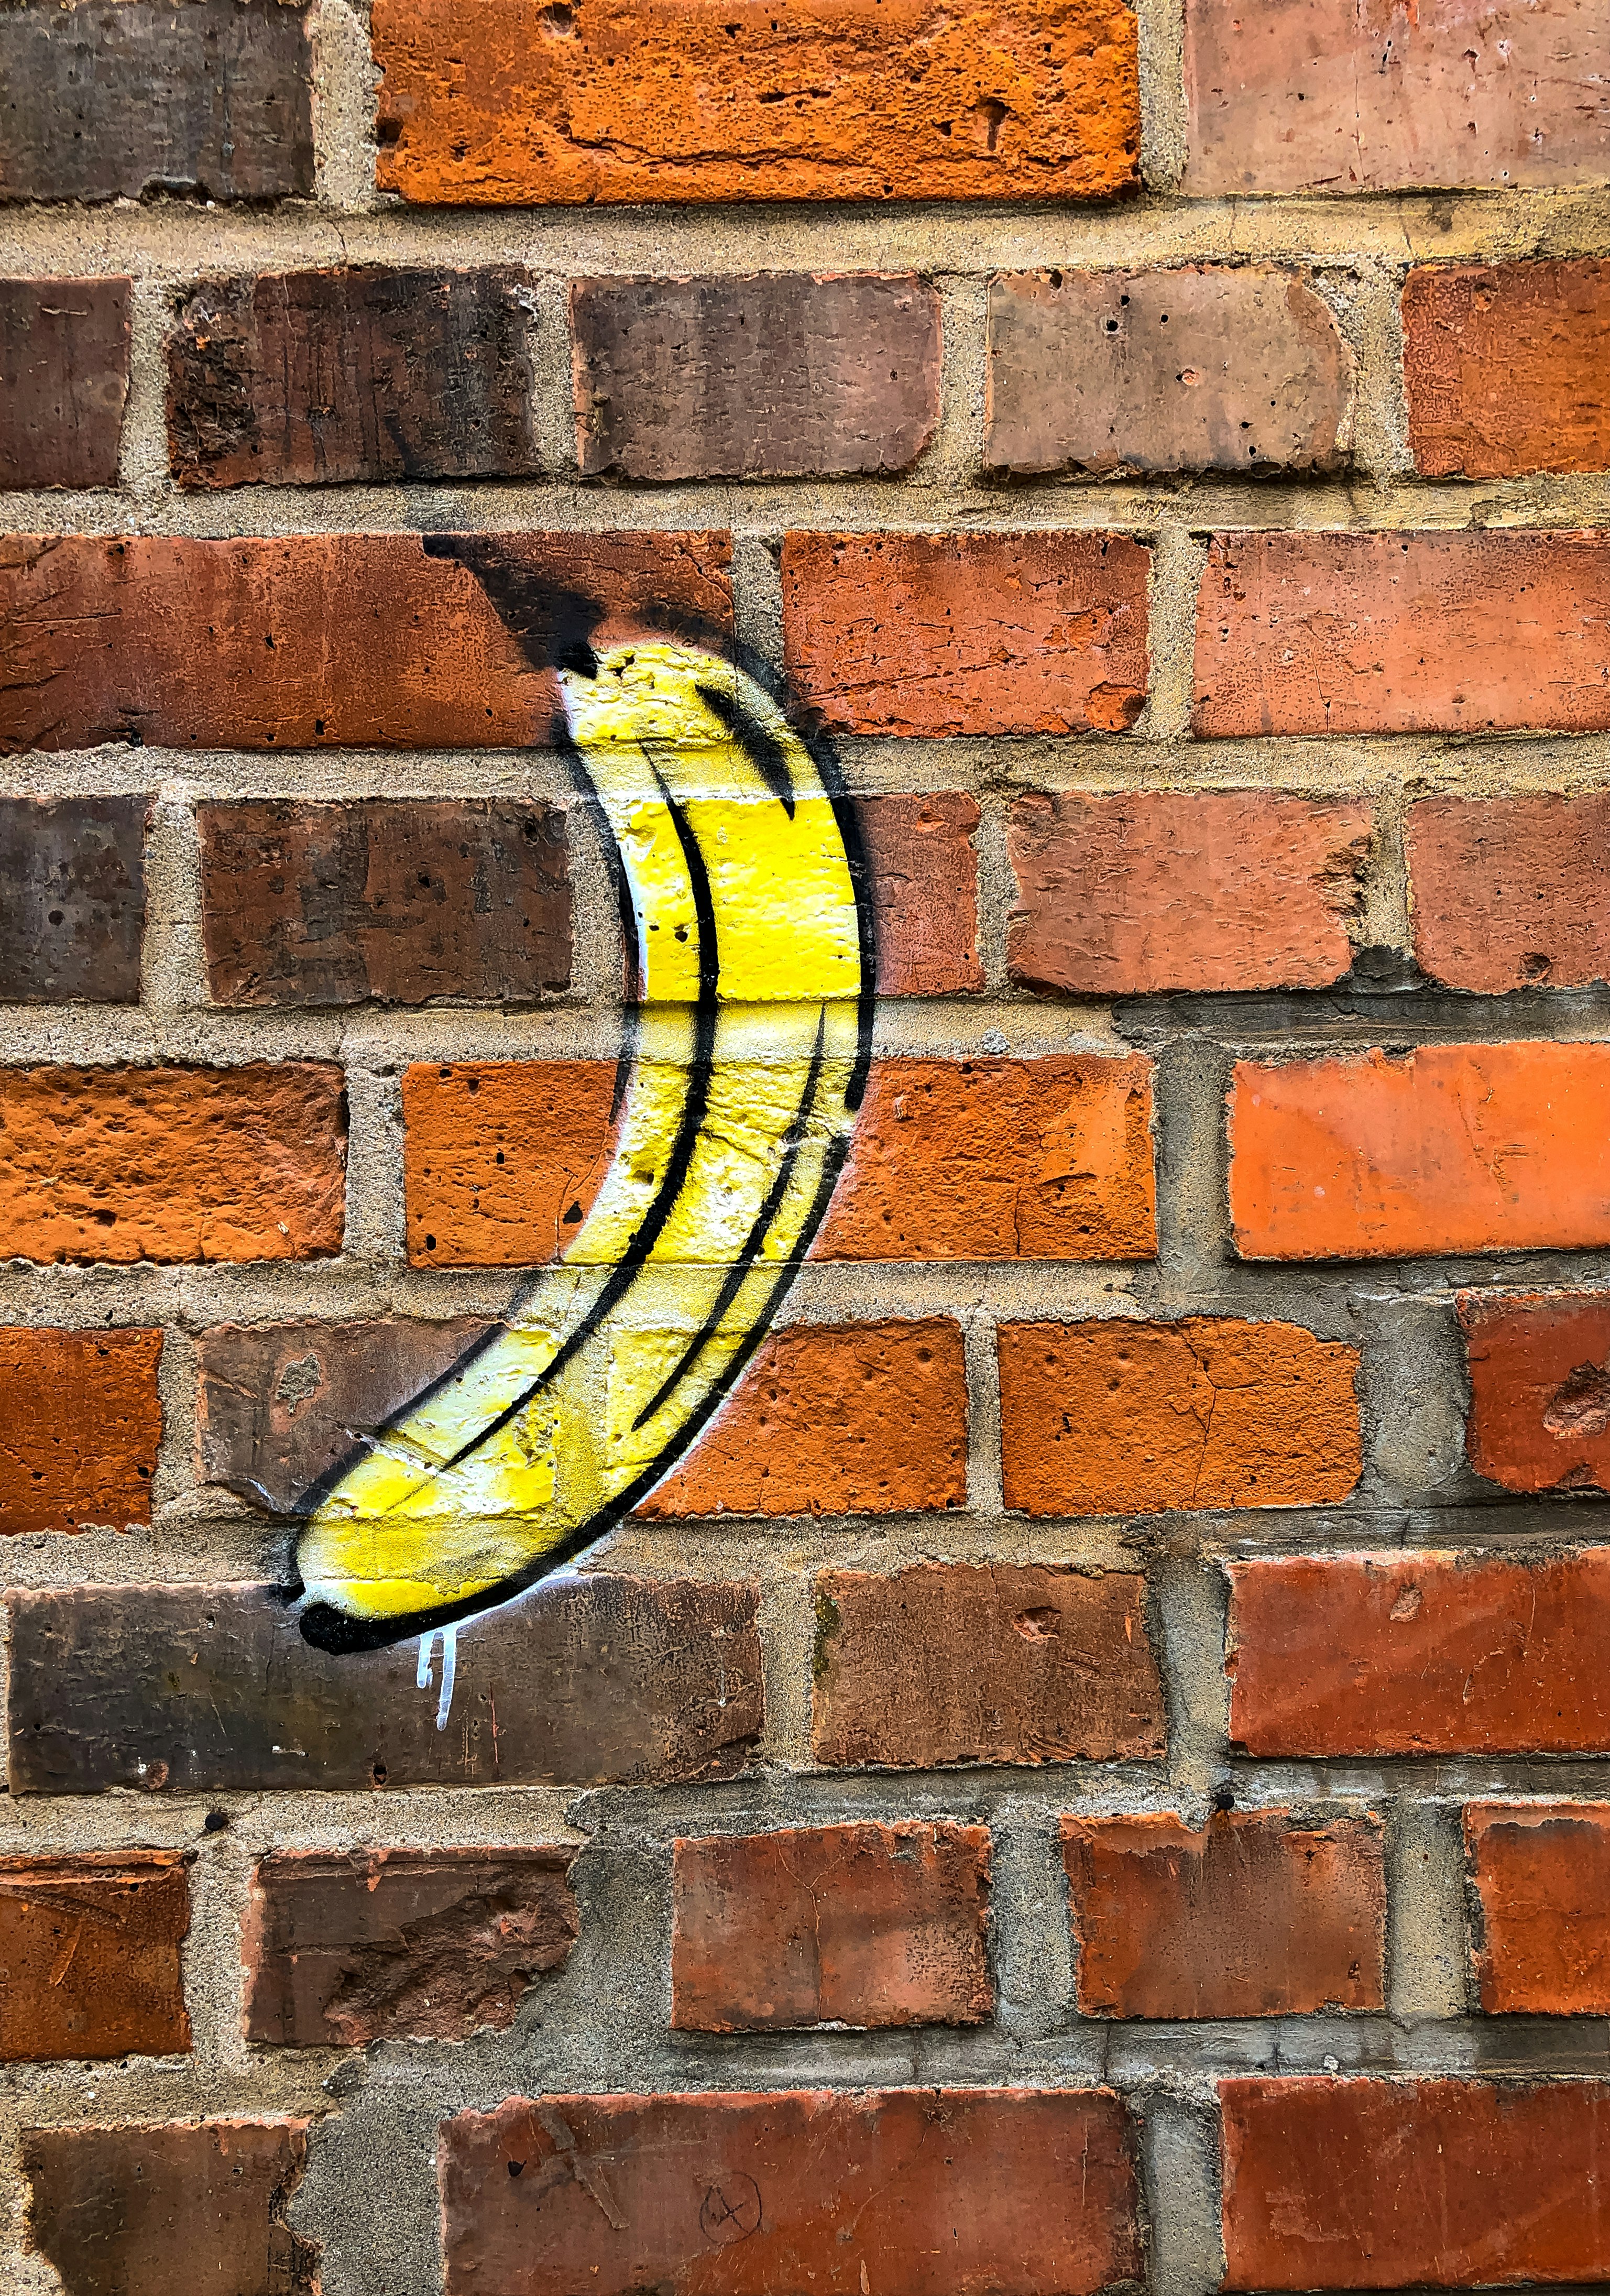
(194, 1689)
(401, 902)
(1200, 369)
(769, 377)
(73, 917)
(63, 380)
(80, 1420)
(983, 1663)
(401, 1944)
(302, 378)
(89, 1954)
(135, 2211)
(110, 99)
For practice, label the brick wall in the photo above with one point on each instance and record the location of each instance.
(1097, 1768)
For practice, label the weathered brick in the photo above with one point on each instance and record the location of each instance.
(112, 99)
(862, 1925)
(1204, 368)
(1444, 1148)
(299, 377)
(501, 1158)
(136, 2208)
(90, 1948)
(773, 376)
(1255, 1916)
(63, 380)
(1505, 366)
(400, 1944)
(1116, 1417)
(1539, 1391)
(1509, 892)
(935, 2191)
(1298, 95)
(1402, 634)
(196, 1689)
(713, 100)
(1003, 1662)
(402, 902)
(1403, 2184)
(73, 920)
(1541, 1874)
(1234, 889)
(922, 875)
(1420, 1654)
(323, 640)
(172, 1163)
(846, 1419)
(81, 1424)
(966, 632)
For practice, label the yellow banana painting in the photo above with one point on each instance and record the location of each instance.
(748, 1033)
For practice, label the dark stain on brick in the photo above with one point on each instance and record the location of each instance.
(74, 914)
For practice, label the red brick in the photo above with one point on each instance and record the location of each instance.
(1505, 365)
(1509, 892)
(400, 1944)
(1038, 633)
(1300, 96)
(1117, 1417)
(834, 1419)
(89, 1952)
(862, 1925)
(80, 1424)
(1420, 1654)
(1403, 633)
(983, 1662)
(934, 2192)
(138, 2209)
(1541, 1873)
(1123, 896)
(1446, 1148)
(498, 102)
(63, 380)
(1401, 2183)
(319, 641)
(1539, 1391)
(1256, 1915)
(172, 1163)
(923, 878)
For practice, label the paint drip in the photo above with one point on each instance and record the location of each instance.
(449, 1669)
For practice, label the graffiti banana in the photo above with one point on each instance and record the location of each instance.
(737, 1091)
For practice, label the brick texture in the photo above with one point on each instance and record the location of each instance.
(302, 377)
(1123, 896)
(1509, 892)
(63, 379)
(1420, 1654)
(849, 1419)
(1199, 369)
(1326, 2183)
(334, 903)
(73, 920)
(1449, 1148)
(1505, 367)
(774, 376)
(398, 1944)
(862, 1925)
(1541, 1875)
(924, 885)
(1255, 1916)
(1539, 1388)
(80, 1422)
(1300, 96)
(969, 1663)
(90, 1946)
(1402, 634)
(1115, 1417)
(629, 100)
(1017, 2190)
(966, 634)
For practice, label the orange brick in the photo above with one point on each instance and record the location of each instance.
(1506, 368)
(1449, 1148)
(856, 1419)
(502, 103)
(172, 1163)
(1509, 892)
(1541, 1872)
(501, 1158)
(90, 1946)
(1540, 1391)
(80, 1420)
(1114, 1417)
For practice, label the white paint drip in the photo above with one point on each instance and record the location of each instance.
(422, 1680)
(449, 1669)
